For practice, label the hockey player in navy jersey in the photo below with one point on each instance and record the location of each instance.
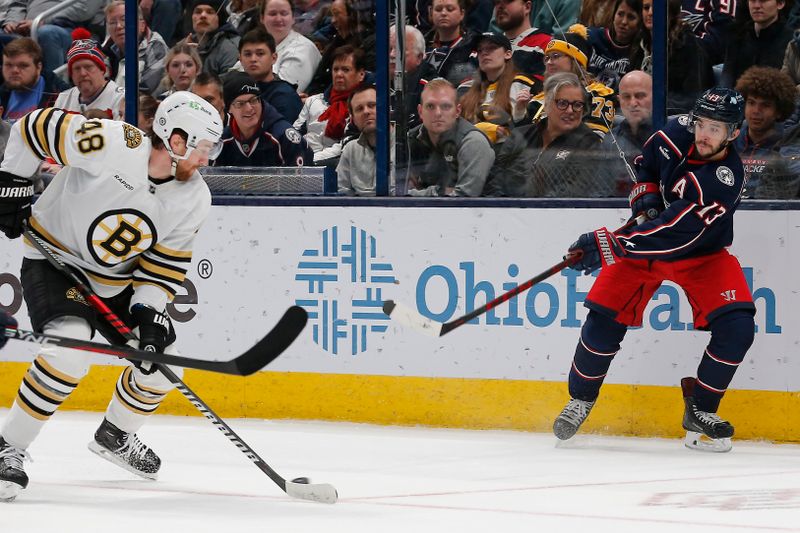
(690, 182)
(123, 213)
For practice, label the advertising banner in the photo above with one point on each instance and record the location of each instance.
(341, 263)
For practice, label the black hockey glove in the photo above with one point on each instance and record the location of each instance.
(153, 332)
(645, 198)
(6, 321)
(598, 248)
(15, 203)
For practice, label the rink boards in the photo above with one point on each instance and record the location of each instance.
(507, 370)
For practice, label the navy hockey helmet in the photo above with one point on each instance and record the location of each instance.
(721, 104)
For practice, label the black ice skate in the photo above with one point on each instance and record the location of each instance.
(125, 450)
(704, 431)
(12, 475)
(571, 418)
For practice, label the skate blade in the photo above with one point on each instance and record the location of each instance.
(95, 448)
(699, 441)
(9, 491)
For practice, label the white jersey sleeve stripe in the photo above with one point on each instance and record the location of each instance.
(29, 137)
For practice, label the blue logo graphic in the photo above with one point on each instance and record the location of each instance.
(344, 281)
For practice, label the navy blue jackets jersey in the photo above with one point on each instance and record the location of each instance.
(710, 21)
(606, 54)
(283, 96)
(275, 144)
(700, 197)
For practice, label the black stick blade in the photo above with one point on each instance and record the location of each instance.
(274, 343)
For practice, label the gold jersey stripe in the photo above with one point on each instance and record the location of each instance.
(177, 254)
(40, 128)
(110, 282)
(162, 270)
(44, 234)
(26, 136)
(62, 132)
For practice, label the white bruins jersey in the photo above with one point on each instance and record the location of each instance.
(102, 213)
(108, 101)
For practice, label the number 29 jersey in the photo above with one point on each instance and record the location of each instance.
(102, 212)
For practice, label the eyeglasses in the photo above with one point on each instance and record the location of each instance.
(255, 101)
(114, 23)
(553, 56)
(576, 106)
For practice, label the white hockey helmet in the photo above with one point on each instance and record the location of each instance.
(194, 116)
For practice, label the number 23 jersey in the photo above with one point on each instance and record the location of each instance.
(102, 212)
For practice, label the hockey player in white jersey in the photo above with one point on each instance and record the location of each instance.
(123, 212)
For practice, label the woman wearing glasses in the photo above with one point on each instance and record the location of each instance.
(571, 54)
(543, 159)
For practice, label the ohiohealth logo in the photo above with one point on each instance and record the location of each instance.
(343, 281)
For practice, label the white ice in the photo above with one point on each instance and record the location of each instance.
(393, 479)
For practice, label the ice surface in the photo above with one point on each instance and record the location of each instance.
(393, 479)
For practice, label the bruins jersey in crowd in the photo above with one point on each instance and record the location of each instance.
(102, 212)
(601, 110)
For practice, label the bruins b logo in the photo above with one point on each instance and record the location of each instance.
(116, 236)
(133, 137)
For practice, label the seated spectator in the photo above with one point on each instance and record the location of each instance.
(55, 37)
(761, 41)
(257, 135)
(164, 18)
(209, 88)
(298, 58)
(769, 96)
(612, 45)
(86, 65)
(449, 156)
(689, 71)
(354, 23)
(417, 72)
(243, 15)
(496, 83)
(257, 56)
(309, 15)
(324, 116)
(182, 66)
(152, 49)
(451, 51)
(26, 86)
(216, 40)
(545, 159)
(356, 168)
(571, 54)
(783, 183)
(629, 136)
(527, 43)
(554, 16)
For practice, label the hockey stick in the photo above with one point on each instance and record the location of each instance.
(408, 317)
(249, 362)
(323, 493)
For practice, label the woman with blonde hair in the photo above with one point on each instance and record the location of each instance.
(181, 67)
(298, 57)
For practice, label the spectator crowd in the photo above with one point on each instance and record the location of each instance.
(514, 98)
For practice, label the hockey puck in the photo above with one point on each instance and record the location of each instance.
(303, 480)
